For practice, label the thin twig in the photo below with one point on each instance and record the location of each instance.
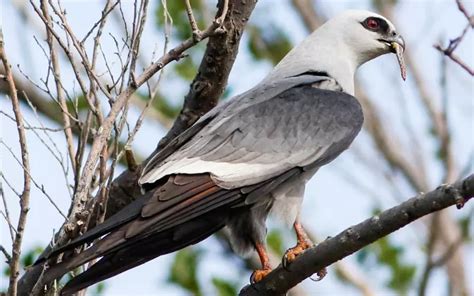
(25, 196)
(8, 257)
(470, 18)
(453, 44)
(104, 132)
(5, 207)
(59, 89)
(32, 180)
(108, 9)
(192, 21)
(455, 58)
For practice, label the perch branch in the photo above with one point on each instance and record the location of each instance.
(354, 238)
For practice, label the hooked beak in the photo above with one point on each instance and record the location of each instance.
(393, 41)
(397, 46)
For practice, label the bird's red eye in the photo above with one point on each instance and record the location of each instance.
(372, 24)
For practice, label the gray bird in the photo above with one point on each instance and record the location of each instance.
(247, 158)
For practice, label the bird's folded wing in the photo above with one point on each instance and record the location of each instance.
(300, 126)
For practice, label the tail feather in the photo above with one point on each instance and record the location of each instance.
(135, 254)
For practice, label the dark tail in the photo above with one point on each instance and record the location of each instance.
(139, 251)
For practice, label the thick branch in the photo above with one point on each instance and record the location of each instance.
(356, 237)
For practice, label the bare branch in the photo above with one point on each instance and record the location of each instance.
(463, 9)
(358, 236)
(59, 91)
(103, 133)
(192, 21)
(453, 44)
(5, 207)
(25, 196)
(8, 257)
(32, 180)
(448, 52)
(203, 95)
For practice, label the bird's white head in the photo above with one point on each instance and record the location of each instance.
(341, 45)
(364, 34)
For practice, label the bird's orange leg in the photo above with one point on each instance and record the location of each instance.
(259, 274)
(303, 243)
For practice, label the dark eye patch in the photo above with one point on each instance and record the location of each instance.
(376, 24)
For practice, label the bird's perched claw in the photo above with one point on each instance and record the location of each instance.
(259, 274)
(292, 253)
(303, 243)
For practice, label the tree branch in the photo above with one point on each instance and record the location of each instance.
(203, 95)
(354, 238)
(453, 44)
(25, 195)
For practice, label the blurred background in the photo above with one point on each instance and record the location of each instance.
(418, 134)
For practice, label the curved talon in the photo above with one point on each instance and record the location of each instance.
(292, 253)
(259, 274)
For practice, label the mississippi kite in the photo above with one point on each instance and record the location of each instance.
(247, 158)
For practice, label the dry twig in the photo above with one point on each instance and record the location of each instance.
(25, 195)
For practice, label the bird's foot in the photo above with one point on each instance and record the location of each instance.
(292, 253)
(259, 274)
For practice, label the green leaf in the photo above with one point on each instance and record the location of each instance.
(224, 288)
(402, 278)
(362, 255)
(99, 288)
(161, 104)
(80, 103)
(6, 271)
(391, 256)
(184, 270)
(186, 68)
(275, 241)
(29, 257)
(268, 43)
(465, 226)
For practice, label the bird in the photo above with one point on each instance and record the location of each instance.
(248, 158)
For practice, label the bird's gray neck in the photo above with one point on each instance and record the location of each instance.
(320, 53)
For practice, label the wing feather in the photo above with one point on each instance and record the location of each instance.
(294, 128)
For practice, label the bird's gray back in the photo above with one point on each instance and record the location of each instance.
(267, 131)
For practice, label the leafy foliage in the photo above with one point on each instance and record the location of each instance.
(162, 105)
(184, 270)
(268, 43)
(27, 259)
(224, 288)
(275, 241)
(389, 255)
